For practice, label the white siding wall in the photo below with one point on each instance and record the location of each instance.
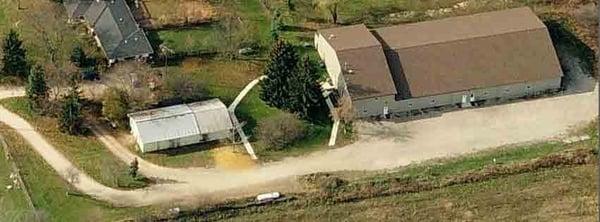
(218, 135)
(174, 143)
(332, 63)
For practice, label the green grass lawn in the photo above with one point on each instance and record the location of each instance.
(86, 152)
(211, 36)
(224, 79)
(39, 19)
(503, 155)
(204, 38)
(48, 190)
(13, 203)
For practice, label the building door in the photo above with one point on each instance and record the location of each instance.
(465, 101)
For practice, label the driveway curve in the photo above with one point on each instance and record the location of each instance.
(452, 133)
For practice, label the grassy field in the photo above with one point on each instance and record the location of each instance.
(224, 79)
(210, 37)
(204, 38)
(48, 190)
(13, 203)
(567, 194)
(86, 152)
(43, 28)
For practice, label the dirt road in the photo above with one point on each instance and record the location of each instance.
(451, 134)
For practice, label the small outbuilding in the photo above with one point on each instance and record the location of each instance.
(181, 125)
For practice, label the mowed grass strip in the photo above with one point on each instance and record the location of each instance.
(49, 191)
(13, 202)
(86, 152)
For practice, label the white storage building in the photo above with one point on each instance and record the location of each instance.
(180, 125)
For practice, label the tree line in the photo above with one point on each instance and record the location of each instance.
(15, 64)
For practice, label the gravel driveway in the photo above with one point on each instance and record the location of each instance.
(450, 134)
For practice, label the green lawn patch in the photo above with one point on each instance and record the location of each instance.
(211, 37)
(86, 152)
(200, 39)
(504, 155)
(13, 203)
(44, 19)
(225, 79)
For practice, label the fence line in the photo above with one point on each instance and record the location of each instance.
(15, 169)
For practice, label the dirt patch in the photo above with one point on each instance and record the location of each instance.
(230, 158)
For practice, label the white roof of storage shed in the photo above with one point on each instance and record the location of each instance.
(211, 116)
(180, 121)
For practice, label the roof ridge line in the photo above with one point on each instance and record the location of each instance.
(99, 15)
(129, 36)
(188, 111)
(465, 39)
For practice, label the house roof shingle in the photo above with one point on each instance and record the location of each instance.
(449, 55)
(361, 58)
(468, 52)
(114, 25)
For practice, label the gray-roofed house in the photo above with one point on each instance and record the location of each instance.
(453, 61)
(181, 125)
(113, 26)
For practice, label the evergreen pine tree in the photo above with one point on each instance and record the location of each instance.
(306, 97)
(71, 119)
(78, 56)
(283, 63)
(37, 90)
(14, 58)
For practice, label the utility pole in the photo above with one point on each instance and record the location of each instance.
(165, 51)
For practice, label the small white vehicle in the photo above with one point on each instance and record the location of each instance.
(268, 197)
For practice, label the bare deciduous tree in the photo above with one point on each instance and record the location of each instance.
(137, 80)
(331, 6)
(345, 111)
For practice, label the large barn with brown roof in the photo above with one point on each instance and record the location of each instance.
(453, 61)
